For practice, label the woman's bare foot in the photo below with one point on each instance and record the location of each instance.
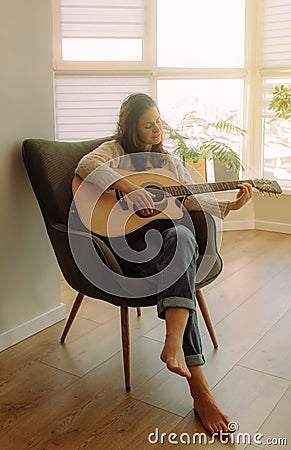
(211, 416)
(173, 355)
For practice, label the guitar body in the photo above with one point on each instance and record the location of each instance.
(109, 214)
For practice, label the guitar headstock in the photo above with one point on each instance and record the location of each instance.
(269, 186)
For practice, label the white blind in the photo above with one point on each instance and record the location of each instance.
(87, 106)
(277, 33)
(102, 18)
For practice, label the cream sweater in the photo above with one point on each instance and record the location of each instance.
(110, 155)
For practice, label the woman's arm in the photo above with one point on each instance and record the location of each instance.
(98, 165)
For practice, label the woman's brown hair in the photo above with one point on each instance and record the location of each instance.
(131, 109)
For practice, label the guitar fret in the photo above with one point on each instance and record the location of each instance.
(200, 188)
(177, 191)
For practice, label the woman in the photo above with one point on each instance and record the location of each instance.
(140, 131)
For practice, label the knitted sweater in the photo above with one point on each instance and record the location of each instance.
(111, 155)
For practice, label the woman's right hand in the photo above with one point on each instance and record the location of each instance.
(143, 200)
(140, 197)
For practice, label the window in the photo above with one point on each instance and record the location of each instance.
(189, 55)
(197, 33)
(275, 70)
(99, 31)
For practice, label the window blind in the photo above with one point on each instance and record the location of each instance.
(87, 106)
(276, 33)
(102, 18)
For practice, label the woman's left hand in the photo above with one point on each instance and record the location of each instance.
(244, 194)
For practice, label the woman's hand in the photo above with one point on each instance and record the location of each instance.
(143, 200)
(140, 197)
(244, 194)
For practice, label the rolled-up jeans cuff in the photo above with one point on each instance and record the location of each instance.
(174, 302)
(195, 360)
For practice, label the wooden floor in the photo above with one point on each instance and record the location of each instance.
(72, 396)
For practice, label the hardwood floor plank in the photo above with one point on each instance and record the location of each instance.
(100, 344)
(88, 352)
(86, 401)
(25, 392)
(239, 250)
(98, 310)
(157, 333)
(124, 428)
(252, 397)
(168, 391)
(272, 353)
(249, 404)
(244, 327)
(238, 289)
(16, 358)
(277, 424)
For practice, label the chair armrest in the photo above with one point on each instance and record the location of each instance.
(102, 248)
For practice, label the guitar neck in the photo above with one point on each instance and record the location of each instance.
(201, 188)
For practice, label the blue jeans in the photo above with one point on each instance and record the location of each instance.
(181, 293)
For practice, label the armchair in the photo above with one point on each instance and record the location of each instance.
(50, 166)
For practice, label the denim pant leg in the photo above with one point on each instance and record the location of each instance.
(180, 248)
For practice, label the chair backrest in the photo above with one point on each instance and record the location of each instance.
(50, 166)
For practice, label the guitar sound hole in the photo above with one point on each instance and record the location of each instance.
(159, 194)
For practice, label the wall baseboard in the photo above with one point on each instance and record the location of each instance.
(27, 329)
(273, 226)
(233, 225)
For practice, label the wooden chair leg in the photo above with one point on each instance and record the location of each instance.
(138, 311)
(125, 344)
(74, 310)
(206, 317)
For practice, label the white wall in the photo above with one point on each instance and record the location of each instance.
(29, 277)
(273, 214)
(261, 213)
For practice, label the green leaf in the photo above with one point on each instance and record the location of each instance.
(281, 102)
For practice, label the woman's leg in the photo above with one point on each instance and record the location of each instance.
(182, 346)
(182, 350)
(176, 301)
(172, 353)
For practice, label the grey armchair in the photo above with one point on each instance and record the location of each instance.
(50, 166)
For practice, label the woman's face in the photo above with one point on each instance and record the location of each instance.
(149, 128)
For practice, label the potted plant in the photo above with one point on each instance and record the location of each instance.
(195, 139)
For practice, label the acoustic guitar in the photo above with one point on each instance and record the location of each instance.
(111, 214)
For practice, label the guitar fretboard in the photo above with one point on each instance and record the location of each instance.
(201, 188)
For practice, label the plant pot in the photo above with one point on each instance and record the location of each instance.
(221, 173)
(200, 168)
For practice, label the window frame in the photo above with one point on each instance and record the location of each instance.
(147, 48)
(252, 74)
